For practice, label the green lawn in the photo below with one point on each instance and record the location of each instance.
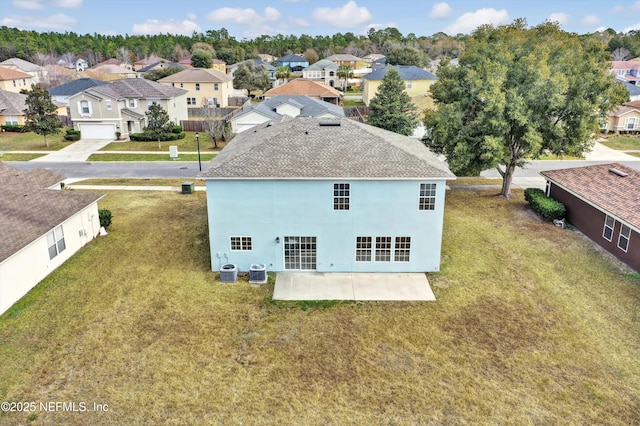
(532, 325)
(19, 157)
(148, 157)
(189, 143)
(623, 143)
(349, 103)
(635, 154)
(136, 182)
(30, 141)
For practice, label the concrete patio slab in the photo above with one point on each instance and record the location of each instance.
(352, 286)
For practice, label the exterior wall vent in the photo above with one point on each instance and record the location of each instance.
(618, 172)
(329, 123)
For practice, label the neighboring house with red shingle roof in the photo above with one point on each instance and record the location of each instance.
(12, 106)
(303, 86)
(14, 81)
(41, 227)
(602, 201)
(38, 73)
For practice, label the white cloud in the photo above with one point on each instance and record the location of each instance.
(41, 4)
(171, 26)
(600, 30)
(243, 16)
(299, 22)
(191, 16)
(271, 14)
(472, 20)
(560, 18)
(57, 22)
(379, 27)
(591, 20)
(626, 9)
(348, 16)
(632, 28)
(440, 11)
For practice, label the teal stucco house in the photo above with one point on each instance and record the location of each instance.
(326, 195)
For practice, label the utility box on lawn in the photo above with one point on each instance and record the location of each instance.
(187, 187)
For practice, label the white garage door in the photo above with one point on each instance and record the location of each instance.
(98, 131)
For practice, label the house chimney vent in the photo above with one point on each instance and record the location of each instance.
(618, 172)
(329, 123)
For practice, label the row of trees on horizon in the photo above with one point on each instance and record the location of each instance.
(410, 49)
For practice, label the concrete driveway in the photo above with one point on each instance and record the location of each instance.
(352, 286)
(77, 151)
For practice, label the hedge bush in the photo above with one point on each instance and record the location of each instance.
(548, 208)
(72, 135)
(149, 137)
(15, 128)
(176, 129)
(105, 217)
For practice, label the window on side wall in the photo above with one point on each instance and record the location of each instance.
(55, 242)
(623, 238)
(341, 196)
(131, 103)
(85, 109)
(241, 244)
(607, 232)
(427, 200)
(402, 249)
(383, 249)
(363, 249)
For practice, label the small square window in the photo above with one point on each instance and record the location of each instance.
(55, 242)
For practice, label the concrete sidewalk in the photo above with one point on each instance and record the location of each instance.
(77, 151)
(352, 286)
(604, 153)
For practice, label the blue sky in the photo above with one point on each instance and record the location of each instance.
(250, 18)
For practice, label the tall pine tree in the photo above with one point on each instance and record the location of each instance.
(391, 108)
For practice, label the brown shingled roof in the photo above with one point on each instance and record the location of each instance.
(302, 86)
(28, 210)
(598, 185)
(9, 74)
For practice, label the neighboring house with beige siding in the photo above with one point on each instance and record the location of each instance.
(42, 227)
(14, 81)
(417, 81)
(625, 118)
(12, 106)
(204, 86)
(39, 74)
(101, 111)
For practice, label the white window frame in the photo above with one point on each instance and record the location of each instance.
(364, 249)
(81, 109)
(216, 86)
(55, 242)
(107, 104)
(131, 103)
(11, 119)
(409, 84)
(402, 249)
(341, 196)
(622, 236)
(608, 219)
(427, 198)
(628, 121)
(384, 248)
(241, 243)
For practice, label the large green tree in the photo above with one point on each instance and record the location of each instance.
(520, 92)
(41, 114)
(391, 108)
(201, 59)
(158, 123)
(251, 76)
